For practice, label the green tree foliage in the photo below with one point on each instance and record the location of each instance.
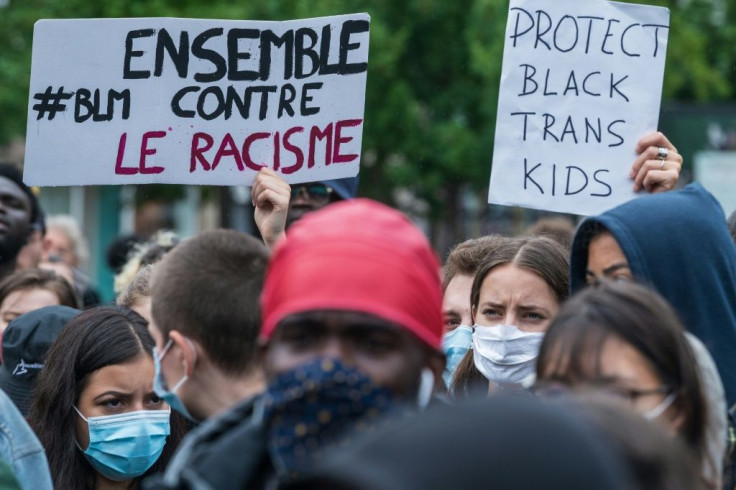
(432, 84)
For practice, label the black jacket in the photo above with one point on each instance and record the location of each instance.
(228, 452)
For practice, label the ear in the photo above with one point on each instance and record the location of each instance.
(187, 351)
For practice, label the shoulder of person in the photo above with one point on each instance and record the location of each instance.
(228, 451)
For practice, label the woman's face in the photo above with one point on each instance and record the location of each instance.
(624, 371)
(117, 389)
(621, 371)
(511, 295)
(456, 302)
(19, 302)
(606, 260)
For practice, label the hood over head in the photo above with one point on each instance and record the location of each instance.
(677, 243)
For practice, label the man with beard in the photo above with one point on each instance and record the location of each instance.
(18, 211)
(279, 205)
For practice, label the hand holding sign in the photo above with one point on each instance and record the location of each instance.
(580, 84)
(125, 101)
(652, 170)
(270, 196)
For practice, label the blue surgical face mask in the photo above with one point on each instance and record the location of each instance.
(125, 446)
(455, 345)
(161, 389)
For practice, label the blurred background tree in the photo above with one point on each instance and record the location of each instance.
(432, 84)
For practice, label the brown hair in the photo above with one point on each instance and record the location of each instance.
(40, 279)
(570, 353)
(209, 288)
(561, 230)
(540, 255)
(466, 258)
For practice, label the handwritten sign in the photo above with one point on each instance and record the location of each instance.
(129, 101)
(581, 83)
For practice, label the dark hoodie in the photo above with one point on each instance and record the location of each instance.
(677, 243)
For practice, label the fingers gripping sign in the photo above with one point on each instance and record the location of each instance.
(270, 196)
(658, 165)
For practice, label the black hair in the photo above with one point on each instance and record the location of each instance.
(96, 338)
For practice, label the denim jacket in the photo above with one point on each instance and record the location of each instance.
(20, 447)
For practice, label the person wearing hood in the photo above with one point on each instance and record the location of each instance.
(678, 244)
(279, 205)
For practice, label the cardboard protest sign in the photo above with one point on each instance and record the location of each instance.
(581, 83)
(163, 100)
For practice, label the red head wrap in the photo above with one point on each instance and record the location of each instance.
(356, 255)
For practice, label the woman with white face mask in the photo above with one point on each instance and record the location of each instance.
(514, 296)
(460, 268)
(626, 341)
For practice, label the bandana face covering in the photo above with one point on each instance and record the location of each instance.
(124, 446)
(505, 355)
(455, 344)
(318, 406)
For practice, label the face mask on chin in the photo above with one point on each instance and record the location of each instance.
(505, 355)
(319, 406)
(161, 389)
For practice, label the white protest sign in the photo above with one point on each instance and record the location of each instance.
(185, 101)
(581, 83)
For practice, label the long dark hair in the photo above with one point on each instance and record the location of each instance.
(99, 337)
(571, 351)
(539, 255)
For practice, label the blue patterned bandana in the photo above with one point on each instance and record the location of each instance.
(319, 406)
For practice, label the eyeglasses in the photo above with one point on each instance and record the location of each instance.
(631, 394)
(317, 193)
(556, 388)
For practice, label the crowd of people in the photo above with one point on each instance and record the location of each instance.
(339, 353)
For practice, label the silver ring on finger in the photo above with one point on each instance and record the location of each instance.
(662, 153)
(661, 163)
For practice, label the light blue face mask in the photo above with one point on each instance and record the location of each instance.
(162, 390)
(125, 446)
(455, 344)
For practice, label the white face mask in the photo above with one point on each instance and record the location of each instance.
(505, 355)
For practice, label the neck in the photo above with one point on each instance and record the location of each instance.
(103, 483)
(220, 391)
